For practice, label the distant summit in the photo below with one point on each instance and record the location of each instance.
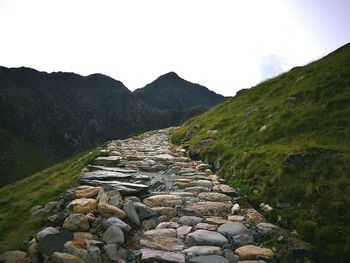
(171, 92)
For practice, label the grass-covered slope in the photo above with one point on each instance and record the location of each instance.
(38, 189)
(287, 140)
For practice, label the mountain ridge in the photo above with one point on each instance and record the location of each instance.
(51, 116)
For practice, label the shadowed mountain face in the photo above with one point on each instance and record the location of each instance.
(170, 91)
(48, 117)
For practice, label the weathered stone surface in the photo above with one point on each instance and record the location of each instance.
(167, 225)
(265, 228)
(114, 198)
(131, 213)
(163, 243)
(76, 222)
(87, 252)
(119, 223)
(217, 220)
(85, 191)
(144, 212)
(163, 200)
(46, 231)
(208, 259)
(107, 210)
(151, 255)
(182, 231)
(214, 197)
(149, 223)
(205, 238)
(190, 220)
(225, 189)
(235, 218)
(242, 240)
(113, 235)
(233, 228)
(251, 252)
(12, 256)
(59, 257)
(197, 189)
(206, 226)
(54, 242)
(254, 216)
(112, 251)
(170, 212)
(202, 251)
(161, 232)
(83, 236)
(206, 208)
(83, 205)
(109, 161)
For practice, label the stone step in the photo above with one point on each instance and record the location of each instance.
(110, 169)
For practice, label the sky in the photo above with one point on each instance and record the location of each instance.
(225, 45)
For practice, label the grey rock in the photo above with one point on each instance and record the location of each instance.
(144, 212)
(54, 242)
(76, 222)
(242, 240)
(118, 222)
(56, 219)
(202, 251)
(190, 220)
(152, 255)
(230, 256)
(167, 225)
(109, 161)
(131, 213)
(113, 235)
(208, 259)
(205, 238)
(233, 228)
(46, 231)
(112, 251)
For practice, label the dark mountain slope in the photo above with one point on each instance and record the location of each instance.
(286, 142)
(45, 117)
(170, 91)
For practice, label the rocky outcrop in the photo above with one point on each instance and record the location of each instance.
(119, 212)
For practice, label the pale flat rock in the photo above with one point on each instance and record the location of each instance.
(202, 251)
(233, 228)
(208, 259)
(85, 191)
(107, 210)
(215, 197)
(217, 220)
(83, 205)
(182, 231)
(251, 252)
(105, 175)
(197, 189)
(206, 226)
(189, 220)
(207, 208)
(163, 243)
(109, 161)
(205, 238)
(161, 232)
(167, 225)
(235, 218)
(151, 255)
(163, 200)
(110, 169)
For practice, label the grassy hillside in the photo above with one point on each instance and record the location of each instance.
(287, 140)
(38, 189)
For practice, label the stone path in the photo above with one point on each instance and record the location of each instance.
(143, 200)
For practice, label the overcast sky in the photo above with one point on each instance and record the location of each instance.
(223, 45)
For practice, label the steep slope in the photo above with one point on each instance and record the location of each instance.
(170, 91)
(287, 142)
(45, 117)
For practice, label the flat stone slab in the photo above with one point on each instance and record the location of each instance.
(109, 161)
(105, 175)
(110, 169)
(163, 243)
(208, 259)
(163, 200)
(233, 228)
(152, 255)
(207, 208)
(205, 238)
(123, 188)
(202, 251)
(250, 252)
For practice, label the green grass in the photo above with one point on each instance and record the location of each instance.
(307, 116)
(16, 199)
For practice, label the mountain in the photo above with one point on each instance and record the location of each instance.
(45, 118)
(171, 92)
(286, 142)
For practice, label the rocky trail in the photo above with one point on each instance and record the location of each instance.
(143, 200)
